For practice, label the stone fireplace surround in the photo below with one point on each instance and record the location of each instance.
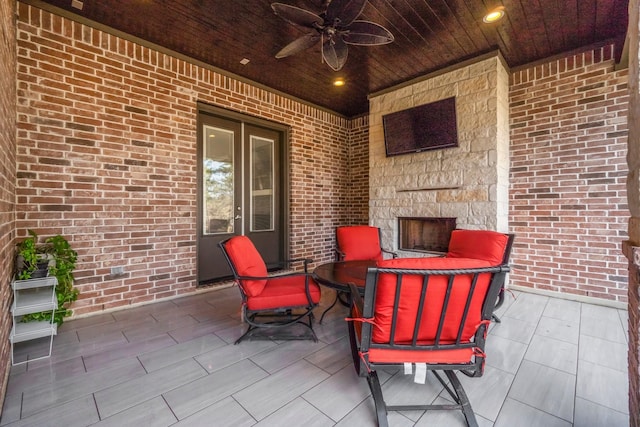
(469, 182)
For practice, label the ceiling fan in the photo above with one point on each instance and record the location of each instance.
(336, 28)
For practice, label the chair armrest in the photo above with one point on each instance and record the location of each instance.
(339, 254)
(393, 254)
(288, 262)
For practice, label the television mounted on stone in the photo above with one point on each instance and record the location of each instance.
(426, 127)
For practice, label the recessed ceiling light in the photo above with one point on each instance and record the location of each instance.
(77, 4)
(494, 15)
(244, 61)
(339, 82)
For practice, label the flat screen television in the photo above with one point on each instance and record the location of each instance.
(426, 127)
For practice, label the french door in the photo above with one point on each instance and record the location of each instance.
(240, 191)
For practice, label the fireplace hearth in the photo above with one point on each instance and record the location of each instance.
(425, 234)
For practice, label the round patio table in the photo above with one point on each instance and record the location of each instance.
(338, 275)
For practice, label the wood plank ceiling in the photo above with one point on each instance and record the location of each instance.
(429, 35)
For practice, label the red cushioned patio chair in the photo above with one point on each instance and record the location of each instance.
(271, 303)
(492, 246)
(360, 243)
(427, 313)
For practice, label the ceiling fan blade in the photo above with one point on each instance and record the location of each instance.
(296, 16)
(345, 11)
(299, 44)
(367, 33)
(334, 52)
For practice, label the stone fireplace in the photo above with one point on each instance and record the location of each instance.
(468, 182)
(425, 234)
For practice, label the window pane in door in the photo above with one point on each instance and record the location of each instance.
(218, 181)
(262, 174)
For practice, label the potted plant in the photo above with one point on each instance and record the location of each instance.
(59, 257)
(31, 262)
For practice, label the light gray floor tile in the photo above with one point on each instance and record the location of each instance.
(222, 357)
(115, 354)
(515, 413)
(605, 329)
(602, 352)
(333, 357)
(227, 412)
(154, 412)
(143, 332)
(513, 329)
(365, 416)
(130, 393)
(559, 329)
(158, 359)
(547, 389)
(487, 404)
(271, 393)
(600, 312)
(297, 413)
(553, 353)
(605, 386)
(504, 354)
(589, 414)
(196, 395)
(285, 354)
(339, 394)
(77, 413)
(67, 389)
(448, 418)
(11, 408)
(562, 309)
(45, 374)
(527, 307)
(196, 330)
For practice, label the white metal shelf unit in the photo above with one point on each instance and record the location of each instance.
(33, 296)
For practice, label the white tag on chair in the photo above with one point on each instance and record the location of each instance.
(421, 373)
(408, 369)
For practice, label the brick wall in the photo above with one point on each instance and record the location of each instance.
(568, 204)
(7, 177)
(358, 185)
(107, 157)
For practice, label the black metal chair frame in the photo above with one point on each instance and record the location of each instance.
(361, 346)
(280, 317)
(505, 261)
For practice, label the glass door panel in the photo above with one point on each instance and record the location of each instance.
(218, 188)
(262, 179)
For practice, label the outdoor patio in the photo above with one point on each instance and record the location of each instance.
(551, 362)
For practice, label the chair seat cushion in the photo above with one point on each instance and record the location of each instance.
(478, 244)
(285, 292)
(436, 290)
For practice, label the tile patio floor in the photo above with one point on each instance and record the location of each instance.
(551, 362)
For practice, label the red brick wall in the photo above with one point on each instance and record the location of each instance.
(568, 204)
(359, 171)
(107, 157)
(7, 177)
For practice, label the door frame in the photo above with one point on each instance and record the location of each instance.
(284, 130)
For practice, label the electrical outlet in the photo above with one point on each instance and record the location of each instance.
(117, 271)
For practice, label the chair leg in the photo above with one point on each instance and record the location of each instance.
(329, 308)
(463, 399)
(378, 399)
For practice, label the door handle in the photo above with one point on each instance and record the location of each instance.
(237, 216)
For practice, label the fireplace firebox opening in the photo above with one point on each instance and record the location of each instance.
(425, 234)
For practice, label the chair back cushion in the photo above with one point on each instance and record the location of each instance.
(359, 242)
(247, 261)
(478, 244)
(409, 301)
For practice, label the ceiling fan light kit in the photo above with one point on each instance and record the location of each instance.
(336, 28)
